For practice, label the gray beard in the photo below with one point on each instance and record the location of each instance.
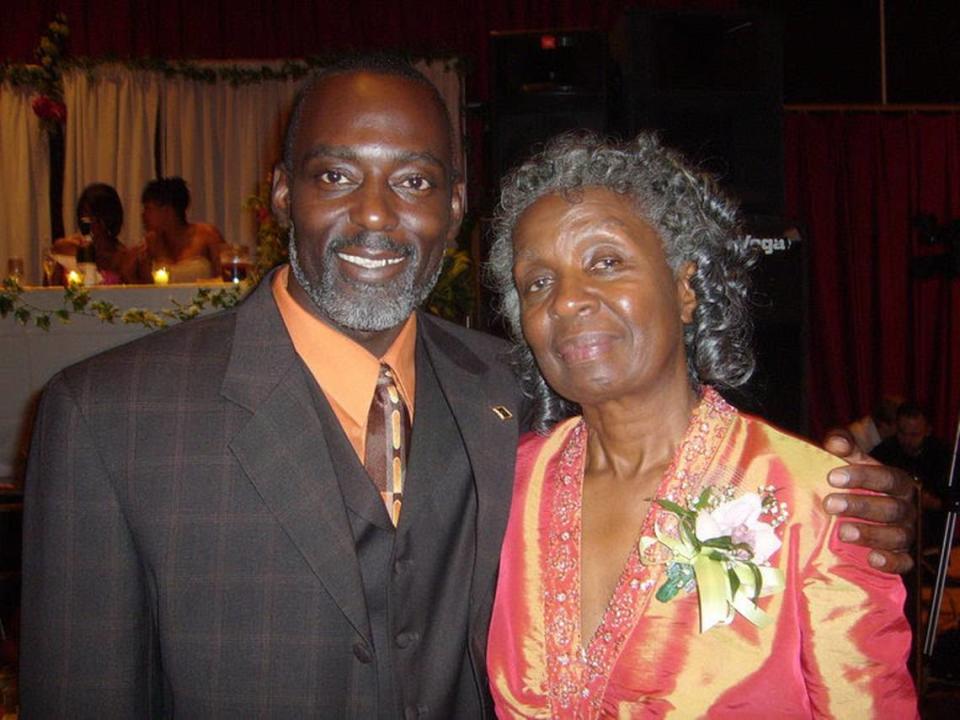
(368, 308)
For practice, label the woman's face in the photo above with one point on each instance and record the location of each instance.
(600, 307)
(98, 229)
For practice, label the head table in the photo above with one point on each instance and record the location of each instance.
(30, 356)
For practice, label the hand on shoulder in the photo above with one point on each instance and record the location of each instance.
(890, 513)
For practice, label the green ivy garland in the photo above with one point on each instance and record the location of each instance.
(77, 300)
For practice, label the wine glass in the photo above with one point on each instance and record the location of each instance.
(49, 265)
(15, 268)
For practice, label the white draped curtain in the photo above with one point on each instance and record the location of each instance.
(222, 138)
(25, 182)
(110, 137)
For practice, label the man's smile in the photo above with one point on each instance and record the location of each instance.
(369, 263)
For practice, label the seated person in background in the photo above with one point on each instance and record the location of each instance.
(913, 448)
(100, 206)
(871, 430)
(189, 251)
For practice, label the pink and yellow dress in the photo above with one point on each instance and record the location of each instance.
(836, 647)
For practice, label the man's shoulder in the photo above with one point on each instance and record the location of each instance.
(490, 348)
(196, 346)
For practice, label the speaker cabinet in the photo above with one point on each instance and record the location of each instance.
(544, 83)
(711, 83)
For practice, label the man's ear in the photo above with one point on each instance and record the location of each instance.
(686, 295)
(280, 194)
(458, 202)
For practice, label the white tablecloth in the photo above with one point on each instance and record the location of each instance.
(29, 356)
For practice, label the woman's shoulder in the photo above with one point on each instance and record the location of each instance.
(777, 453)
(206, 233)
(534, 447)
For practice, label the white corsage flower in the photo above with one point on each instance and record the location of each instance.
(721, 549)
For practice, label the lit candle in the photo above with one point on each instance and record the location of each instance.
(74, 278)
(161, 276)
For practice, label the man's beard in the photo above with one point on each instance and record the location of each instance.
(366, 307)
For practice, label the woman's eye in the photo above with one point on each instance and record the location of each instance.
(537, 284)
(606, 263)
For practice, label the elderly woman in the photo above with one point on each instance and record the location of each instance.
(666, 555)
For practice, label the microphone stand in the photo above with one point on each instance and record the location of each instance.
(952, 506)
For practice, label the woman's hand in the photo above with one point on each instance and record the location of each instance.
(891, 539)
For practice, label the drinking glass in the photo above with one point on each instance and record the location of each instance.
(15, 268)
(49, 265)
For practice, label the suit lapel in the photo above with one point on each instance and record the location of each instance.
(473, 389)
(283, 452)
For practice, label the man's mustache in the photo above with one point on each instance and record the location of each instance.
(373, 241)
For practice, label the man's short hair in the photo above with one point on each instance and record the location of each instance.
(911, 409)
(378, 64)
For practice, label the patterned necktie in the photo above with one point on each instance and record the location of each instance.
(388, 433)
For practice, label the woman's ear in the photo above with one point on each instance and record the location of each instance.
(686, 295)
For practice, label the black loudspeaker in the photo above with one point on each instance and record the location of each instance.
(778, 389)
(711, 83)
(544, 83)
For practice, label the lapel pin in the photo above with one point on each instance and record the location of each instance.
(502, 412)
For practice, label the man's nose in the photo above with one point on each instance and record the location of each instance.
(374, 207)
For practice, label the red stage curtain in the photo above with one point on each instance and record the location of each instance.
(215, 29)
(857, 182)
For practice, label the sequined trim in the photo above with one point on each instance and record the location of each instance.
(578, 676)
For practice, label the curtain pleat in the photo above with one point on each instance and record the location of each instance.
(109, 137)
(859, 182)
(25, 178)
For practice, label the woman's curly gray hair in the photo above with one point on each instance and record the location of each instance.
(695, 221)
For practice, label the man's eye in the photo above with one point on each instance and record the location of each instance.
(416, 182)
(332, 177)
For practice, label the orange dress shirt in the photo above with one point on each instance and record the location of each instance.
(345, 371)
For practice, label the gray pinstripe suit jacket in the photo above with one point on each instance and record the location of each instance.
(186, 549)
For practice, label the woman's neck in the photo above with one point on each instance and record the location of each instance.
(636, 436)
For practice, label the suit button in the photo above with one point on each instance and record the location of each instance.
(406, 639)
(362, 653)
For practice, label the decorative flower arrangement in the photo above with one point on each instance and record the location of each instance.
(271, 233)
(722, 549)
(48, 105)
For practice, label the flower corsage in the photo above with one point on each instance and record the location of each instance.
(721, 548)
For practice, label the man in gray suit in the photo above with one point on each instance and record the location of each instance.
(201, 538)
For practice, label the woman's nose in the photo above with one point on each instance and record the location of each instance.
(572, 297)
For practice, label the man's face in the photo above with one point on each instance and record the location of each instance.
(911, 432)
(371, 199)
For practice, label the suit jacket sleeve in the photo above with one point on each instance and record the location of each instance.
(88, 640)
